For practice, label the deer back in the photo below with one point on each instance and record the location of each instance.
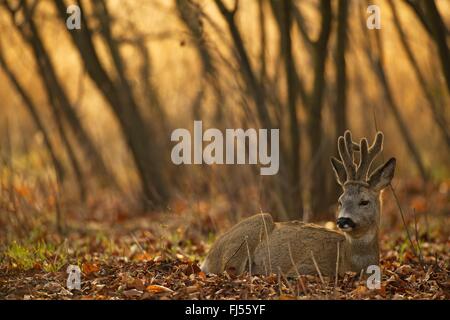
(235, 248)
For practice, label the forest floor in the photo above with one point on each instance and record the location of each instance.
(157, 257)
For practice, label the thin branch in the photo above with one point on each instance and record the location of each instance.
(337, 266)
(317, 268)
(267, 242)
(295, 268)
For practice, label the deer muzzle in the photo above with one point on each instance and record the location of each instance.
(345, 224)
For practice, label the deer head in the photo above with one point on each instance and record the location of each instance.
(359, 204)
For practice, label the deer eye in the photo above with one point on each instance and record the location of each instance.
(363, 203)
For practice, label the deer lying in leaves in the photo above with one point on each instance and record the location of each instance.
(260, 246)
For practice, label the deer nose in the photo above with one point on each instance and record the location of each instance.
(345, 223)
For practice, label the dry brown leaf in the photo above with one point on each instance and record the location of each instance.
(136, 284)
(132, 293)
(143, 256)
(154, 288)
(191, 289)
(202, 275)
(89, 268)
(360, 290)
(382, 291)
(404, 269)
(52, 287)
(191, 268)
(287, 297)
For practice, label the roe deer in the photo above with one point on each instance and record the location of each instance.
(259, 245)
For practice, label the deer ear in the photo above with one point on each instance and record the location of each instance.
(383, 175)
(339, 170)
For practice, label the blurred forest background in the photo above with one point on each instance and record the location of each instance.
(86, 115)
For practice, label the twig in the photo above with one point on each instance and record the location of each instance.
(135, 240)
(337, 267)
(249, 264)
(249, 257)
(292, 260)
(279, 282)
(267, 242)
(285, 279)
(317, 268)
(56, 194)
(427, 226)
(416, 231)
(58, 249)
(59, 213)
(295, 268)
(265, 266)
(225, 265)
(403, 220)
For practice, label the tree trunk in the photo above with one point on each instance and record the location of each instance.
(438, 118)
(138, 134)
(190, 15)
(30, 34)
(252, 83)
(320, 200)
(340, 107)
(438, 30)
(79, 176)
(289, 66)
(32, 110)
(293, 197)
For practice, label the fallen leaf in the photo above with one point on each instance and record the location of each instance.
(89, 268)
(360, 290)
(180, 257)
(382, 291)
(53, 287)
(231, 272)
(154, 288)
(404, 269)
(287, 297)
(132, 293)
(191, 268)
(136, 284)
(191, 289)
(202, 275)
(143, 256)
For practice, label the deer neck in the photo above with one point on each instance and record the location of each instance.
(362, 251)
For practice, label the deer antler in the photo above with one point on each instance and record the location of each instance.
(368, 155)
(346, 148)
